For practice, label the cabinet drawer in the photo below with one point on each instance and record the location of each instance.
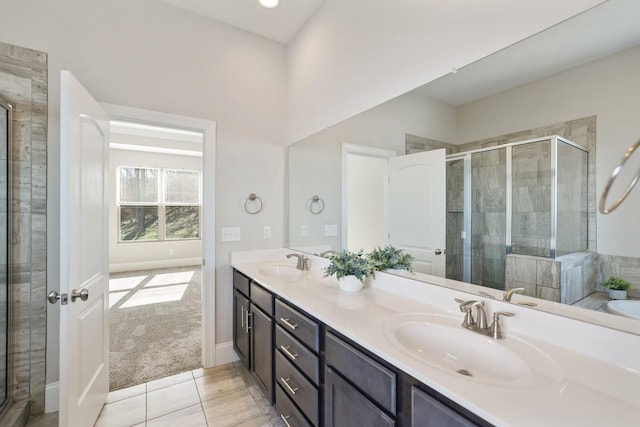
(298, 354)
(241, 282)
(376, 381)
(297, 387)
(298, 325)
(262, 298)
(429, 412)
(288, 412)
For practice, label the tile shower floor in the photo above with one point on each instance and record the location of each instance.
(222, 396)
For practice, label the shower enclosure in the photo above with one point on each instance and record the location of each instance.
(526, 198)
(5, 156)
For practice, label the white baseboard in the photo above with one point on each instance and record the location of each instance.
(52, 397)
(150, 265)
(225, 353)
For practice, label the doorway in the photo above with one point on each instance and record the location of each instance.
(155, 252)
(206, 260)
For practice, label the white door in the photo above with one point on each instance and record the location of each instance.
(417, 221)
(84, 326)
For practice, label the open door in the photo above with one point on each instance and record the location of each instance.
(417, 221)
(84, 278)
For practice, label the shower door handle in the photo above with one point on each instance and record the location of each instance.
(438, 251)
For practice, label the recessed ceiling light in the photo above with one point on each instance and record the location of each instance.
(269, 4)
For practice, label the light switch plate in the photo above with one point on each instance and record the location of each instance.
(230, 234)
(331, 230)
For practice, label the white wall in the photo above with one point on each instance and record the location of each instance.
(607, 88)
(353, 55)
(315, 163)
(148, 54)
(128, 256)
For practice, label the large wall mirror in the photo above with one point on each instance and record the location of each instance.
(527, 138)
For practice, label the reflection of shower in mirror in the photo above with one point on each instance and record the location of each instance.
(616, 171)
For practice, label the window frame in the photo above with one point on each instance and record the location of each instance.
(161, 205)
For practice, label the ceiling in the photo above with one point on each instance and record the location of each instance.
(596, 33)
(279, 24)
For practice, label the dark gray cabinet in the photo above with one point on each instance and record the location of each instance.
(315, 376)
(241, 335)
(253, 329)
(297, 361)
(262, 350)
(345, 406)
(427, 411)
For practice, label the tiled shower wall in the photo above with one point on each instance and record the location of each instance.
(565, 279)
(625, 267)
(23, 82)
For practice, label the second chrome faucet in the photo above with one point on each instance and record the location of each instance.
(303, 261)
(479, 322)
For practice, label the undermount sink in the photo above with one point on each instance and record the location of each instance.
(282, 271)
(440, 341)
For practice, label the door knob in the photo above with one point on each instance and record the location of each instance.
(438, 251)
(53, 297)
(83, 294)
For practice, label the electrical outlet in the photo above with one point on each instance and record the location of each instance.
(331, 230)
(267, 232)
(230, 234)
(304, 231)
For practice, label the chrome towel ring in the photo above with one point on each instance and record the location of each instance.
(616, 171)
(253, 204)
(315, 205)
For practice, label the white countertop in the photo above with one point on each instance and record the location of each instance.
(595, 371)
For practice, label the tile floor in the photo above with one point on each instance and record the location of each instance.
(222, 396)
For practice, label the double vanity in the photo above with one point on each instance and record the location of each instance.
(403, 352)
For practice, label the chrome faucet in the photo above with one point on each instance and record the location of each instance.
(479, 323)
(507, 295)
(326, 253)
(303, 261)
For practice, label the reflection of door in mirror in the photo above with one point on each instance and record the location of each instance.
(396, 200)
(417, 209)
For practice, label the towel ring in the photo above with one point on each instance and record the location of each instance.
(253, 204)
(315, 205)
(616, 171)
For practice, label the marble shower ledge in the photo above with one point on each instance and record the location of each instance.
(600, 373)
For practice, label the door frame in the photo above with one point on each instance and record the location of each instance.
(360, 150)
(208, 129)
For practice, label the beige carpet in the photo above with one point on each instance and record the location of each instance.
(155, 324)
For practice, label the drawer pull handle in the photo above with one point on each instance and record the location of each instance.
(247, 327)
(285, 418)
(242, 316)
(285, 381)
(288, 323)
(286, 351)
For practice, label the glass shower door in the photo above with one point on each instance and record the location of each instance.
(488, 217)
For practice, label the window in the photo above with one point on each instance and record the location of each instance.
(158, 204)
